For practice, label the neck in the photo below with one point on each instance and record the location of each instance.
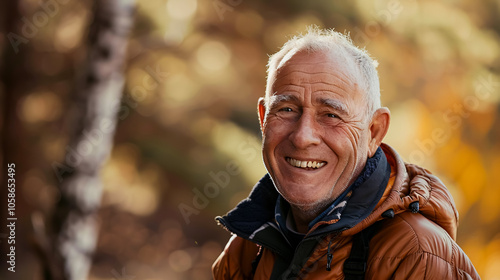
(303, 216)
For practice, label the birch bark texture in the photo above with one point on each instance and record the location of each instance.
(70, 240)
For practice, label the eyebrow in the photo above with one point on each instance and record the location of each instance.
(277, 99)
(334, 104)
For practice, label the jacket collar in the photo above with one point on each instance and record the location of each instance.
(366, 192)
(259, 208)
(254, 211)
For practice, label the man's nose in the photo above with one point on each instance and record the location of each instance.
(306, 131)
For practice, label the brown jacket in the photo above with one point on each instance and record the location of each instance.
(407, 245)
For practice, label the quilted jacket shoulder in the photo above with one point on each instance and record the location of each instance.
(410, 245)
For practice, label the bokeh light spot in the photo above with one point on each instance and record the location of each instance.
(40, 107)
(181, 9)
(213, 56)
(180, 261)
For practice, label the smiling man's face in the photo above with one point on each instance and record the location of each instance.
(316, 139)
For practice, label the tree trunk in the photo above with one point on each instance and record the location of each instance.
(11, 73)
(68, 244)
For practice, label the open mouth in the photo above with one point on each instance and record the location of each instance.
(305, 164)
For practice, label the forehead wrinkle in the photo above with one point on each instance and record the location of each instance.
(289, 87)
(332, 62)
(342, 77)
(328, 90)
(344, 80)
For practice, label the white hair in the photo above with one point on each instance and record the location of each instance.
(332, 43)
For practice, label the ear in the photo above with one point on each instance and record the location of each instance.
(378, 129)
(261, 108)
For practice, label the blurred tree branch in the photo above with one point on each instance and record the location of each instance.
(66, 247)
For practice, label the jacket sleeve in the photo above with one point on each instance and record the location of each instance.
(413, 247)
(235, 261)
(425, 265)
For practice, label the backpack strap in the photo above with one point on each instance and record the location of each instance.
(355, 265)
(256, 261)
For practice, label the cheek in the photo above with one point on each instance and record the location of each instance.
(342, 140)
(275, 131)
(352, 137)
(363, 139)
(270, 139)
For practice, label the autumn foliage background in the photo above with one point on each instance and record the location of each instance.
(194, 72)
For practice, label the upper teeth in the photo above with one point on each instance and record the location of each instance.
(305, 164)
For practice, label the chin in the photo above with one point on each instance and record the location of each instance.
(310, 208)
(305, 202)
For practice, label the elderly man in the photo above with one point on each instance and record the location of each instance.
(336, 202)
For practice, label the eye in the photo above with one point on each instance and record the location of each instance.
(286, 109)
(330, 115)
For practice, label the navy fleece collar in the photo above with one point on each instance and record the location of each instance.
(259, 207)
(368, 170)
(254, 211)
